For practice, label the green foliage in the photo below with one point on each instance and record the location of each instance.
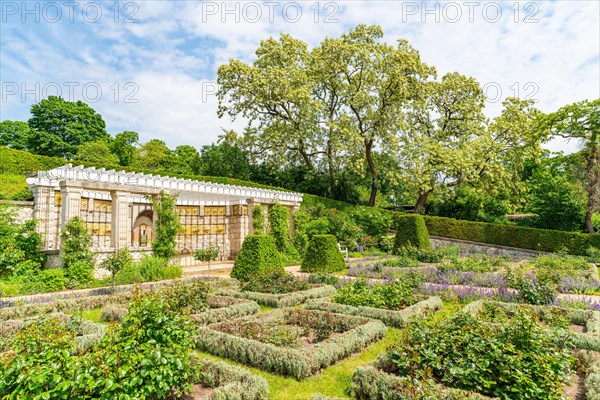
(129, 274)
(476, 263)
(209, 254)
(60, 126)
(560, 261)
(14, 134)
(393, 295)
(279, 216)
(123, 146)
(147, 356)
(258, 220)
(20, 245)
(258, 256)
(513, 236)
(411, 231)
(558, 202)
(97, 152)
(323, 278)
(41, 363)
(79, 274)
(516, 359)
(167, 225)
(301, 221)
(275, 283)
(152, 268)
(117, 262)
(48, 280)
(75, 251)
(469, 204)
(323, 255)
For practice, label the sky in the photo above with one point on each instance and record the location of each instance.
(150, 66)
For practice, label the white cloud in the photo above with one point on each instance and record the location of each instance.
(173, 52)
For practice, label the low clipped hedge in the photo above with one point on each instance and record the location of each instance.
(230, 382)
(395, 318)
(258, 256)
(411, 231)
(323, 255)
(283, 299)
(90, 332)
(512, 236)
(297, 363)
(371, 382)
(223, 308)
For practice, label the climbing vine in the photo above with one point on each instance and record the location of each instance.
(258, 220)
(167, 225)
(280, 226)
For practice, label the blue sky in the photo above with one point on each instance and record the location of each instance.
(150, 66)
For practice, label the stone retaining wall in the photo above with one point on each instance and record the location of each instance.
(468, 248)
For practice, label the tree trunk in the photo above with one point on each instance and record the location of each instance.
(420, 204)
(373, 171)
(593, 181)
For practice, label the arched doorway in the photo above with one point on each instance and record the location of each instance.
(143, 229)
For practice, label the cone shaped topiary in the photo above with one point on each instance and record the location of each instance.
(259, 256)
(323, 255)
(411, 231)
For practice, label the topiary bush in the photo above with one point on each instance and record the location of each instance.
(259, 256)
(323, 255)
(411, 231)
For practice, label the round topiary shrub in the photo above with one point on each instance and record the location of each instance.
(411, 231)
(323, 255)
(259, 256)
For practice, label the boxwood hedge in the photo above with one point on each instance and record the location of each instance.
(323, 255)
(411, 232)
(512, 236)
(259, 256)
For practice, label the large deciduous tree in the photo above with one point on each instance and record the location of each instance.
(330, 107)
(14, 134)
(59, 126)
(124, 145)
(581, 121)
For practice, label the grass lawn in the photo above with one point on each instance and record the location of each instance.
(92, 315)
(335, 380)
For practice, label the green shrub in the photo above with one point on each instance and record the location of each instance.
(117, 261)
(323, 278)
(323, 255)
(422, 255)
(275, 283)
(393, 295)
(79, 274)
(129, 274)
(258, 256)
(167, 225)
(512, 236)
(258, 220)
(48, 280)
(411, 232)
(560, 262)
(76, 244)
(172, 272)
(152, 268)
(279, 217)
(515, 359)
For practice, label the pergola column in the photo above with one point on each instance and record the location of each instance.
(120, 230)
(250, 203)
(71, 203)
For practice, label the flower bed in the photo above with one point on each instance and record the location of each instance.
(307, 340)
(395, 318)
(230, 382)
(468, 357)
(88, 333)
(590, 320)
(223, 308)
(282, 299)
(372, 382)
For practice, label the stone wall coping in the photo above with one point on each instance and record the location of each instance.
(496, 246)
(18, 203)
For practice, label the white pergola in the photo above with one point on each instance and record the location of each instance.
(191, 192)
